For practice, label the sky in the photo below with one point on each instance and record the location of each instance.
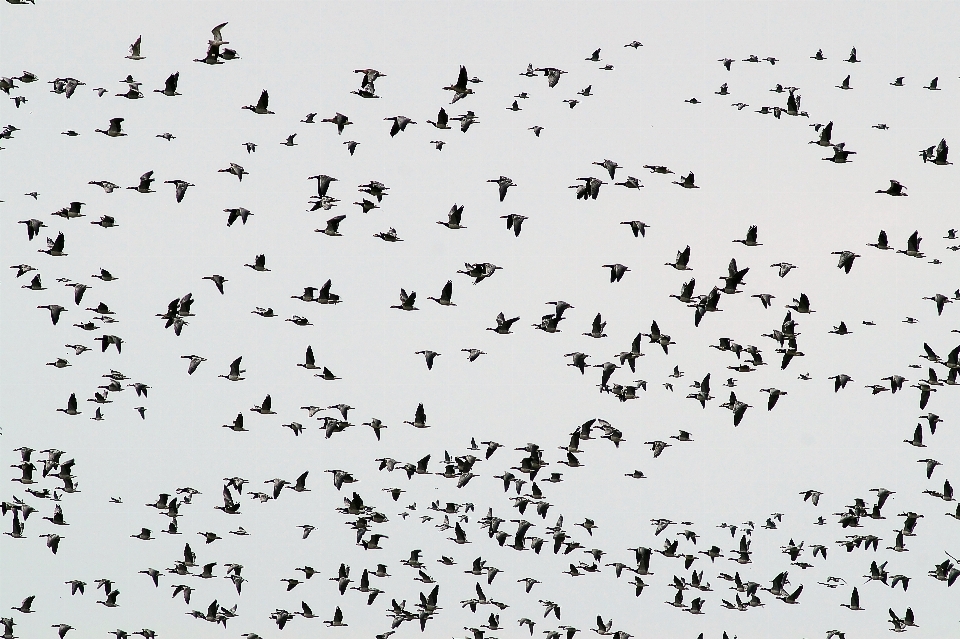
(751, 169)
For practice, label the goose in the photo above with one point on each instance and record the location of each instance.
(727, 62)
(913, 245)
(840, 155)
(289, 141)
(610, 166)
(785, 267)
(589, 189)
(389, 236)
(332, 227)
(853, 56)
(514, 107)
(845, 84)
(514, 222)
(801, 305)
(639, 228)
(181, 188)
(419, 421)
(842, 330)
(940, 157)
(840, 381)
(170, 85)
(445, 295)
(460, 88)
(751, 239)
(133, 92)
(536, 130)
(324, 296)
(933, 85)
(106, 222)
(846, 260)
(376, 189)
(429, 356)
(825, 133)
(145, 181)
(472, 353)
(259, 263)
(367, 90)
(71, 212)
(683, 258)
(579, 361)
(616, 271)
(586, 92)
(597, 327)
(307, 295)
(686, 291)
(114, 130)
(723, 90)
(261, 106)
(33, 229)
(235, 169)
(400, 123)
(351, 146)
(234, 374)
(407, 301)
(687, 182)
(940, 301)
(340, 120)
(55, 247)
(35, 285)
(238, 213)
(732, 280)
(108, 187)
(504, 183)
(693, 101)
(882, 242)
(503, 324)
(895, 189)
(552, 74)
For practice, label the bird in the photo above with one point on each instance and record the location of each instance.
(639, 228)
(846, 260)
(785, 267)
(400, 123)
(895, 189)
(114, 130)
(504, 183)
(514, 222)
(407, 301)
(617, 271)
(261, 106)
(259, 263)
(235, 372)
(503, 324)
(170, 85)
(235, 169)
(238, 213)
(687, 182)
(340, 120)
(181, 188)
(446, 295)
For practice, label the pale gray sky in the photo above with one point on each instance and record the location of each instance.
(751, 169)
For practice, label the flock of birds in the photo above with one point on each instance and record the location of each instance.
(474, 536)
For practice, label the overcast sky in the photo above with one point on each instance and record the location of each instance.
(751, 169)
